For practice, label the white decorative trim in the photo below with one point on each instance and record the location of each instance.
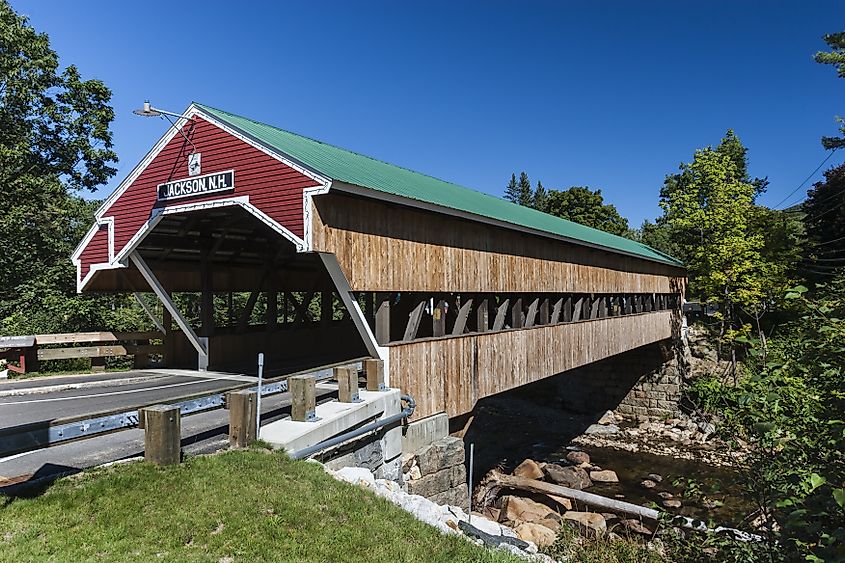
(307, 199)
(409, 202)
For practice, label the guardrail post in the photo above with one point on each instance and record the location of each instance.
(303, 398)
(162, 434)
(242, 405)
(347, 384)
(375, 375)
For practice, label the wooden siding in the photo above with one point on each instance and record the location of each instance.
(451, 374)
(386, 247)
(272, 186)
(96, 252)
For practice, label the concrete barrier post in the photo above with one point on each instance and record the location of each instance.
(242, 405)
(303, 398)
(347, 384)
(375, 375)
(162, 434)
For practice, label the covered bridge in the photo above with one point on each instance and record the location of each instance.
(463, 295)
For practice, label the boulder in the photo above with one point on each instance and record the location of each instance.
(588, 523)
(433, 483)
(635, 526)
(537, 534)
(519, 509)
(550, 523)
(572, 477)
(444, 453)
(577, 458)
(528, 469)
(601, 430)
(564, 502)
(606, 476)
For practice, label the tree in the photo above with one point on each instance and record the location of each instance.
(512, 190)
(585, 206)
(539, 197)
(526, 193)
(824, 221)
(835, 57)
(657, 235)
(54, 143)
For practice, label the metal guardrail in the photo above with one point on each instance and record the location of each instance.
(36, 436)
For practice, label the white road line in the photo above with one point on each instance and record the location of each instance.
(144, 390)
(16, 456)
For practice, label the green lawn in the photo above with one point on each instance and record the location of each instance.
(236, 506)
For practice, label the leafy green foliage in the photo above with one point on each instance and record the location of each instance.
(587, 207)
(835, 57)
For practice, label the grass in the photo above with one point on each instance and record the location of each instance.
(570, 546)
(236, 506)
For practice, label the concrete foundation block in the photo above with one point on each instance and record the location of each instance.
(424, 432)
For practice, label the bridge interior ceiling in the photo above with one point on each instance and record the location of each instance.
(239, 253)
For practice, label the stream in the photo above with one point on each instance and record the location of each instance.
(506, 431)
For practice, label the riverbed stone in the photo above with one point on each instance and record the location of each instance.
(648, 484)
(528, 469)
(656, 477)
(671, 503)
(606, 476)
(665, 495)
(537, 534)
(588, 523)
(519, 509)
(601, 430)
(578, 457)
(570, 476)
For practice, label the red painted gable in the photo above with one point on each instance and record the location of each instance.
(272, 186)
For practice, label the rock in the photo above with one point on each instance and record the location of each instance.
(648, 484)
(414, 472)
(665, 495)
(607, 418)
(518, 509)
(357, 476)
(537, 534)
(577, 457)
(671, 503)
(589, 523)
(446, 452)
(491, 513)
(550, 523)
(408, 461)
(564, 502)
(572, 477)
(606, 476)
(706, 427)
(528, 469)
(601, 430)
(434, 483)
(656, 477)
(635, 526)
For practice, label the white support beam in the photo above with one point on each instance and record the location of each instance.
(341, 284)
(201, 344)
(140, 299)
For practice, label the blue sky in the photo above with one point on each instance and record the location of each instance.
(613, 95)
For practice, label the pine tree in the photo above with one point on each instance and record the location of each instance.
(526, 193)
(512, 191)
(539, 202)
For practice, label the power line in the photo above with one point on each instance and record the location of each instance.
(813, 173)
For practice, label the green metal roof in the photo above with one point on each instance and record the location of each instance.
(357, 169)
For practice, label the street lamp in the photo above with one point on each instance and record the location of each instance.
(149, 111)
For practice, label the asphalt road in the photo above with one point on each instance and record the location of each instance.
(62, 397)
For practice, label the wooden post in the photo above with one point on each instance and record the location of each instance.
(375, 375)
(303, 398)
(483, 315)
(438, 318)
(272, 315)
(141, 360)
(162, 434)
(242, 405)
(517, 318)
(382, 321)
(347, 384)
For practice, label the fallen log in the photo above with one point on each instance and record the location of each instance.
(488, 491)
(489, 488)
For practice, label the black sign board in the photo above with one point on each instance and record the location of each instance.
(197, 186)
